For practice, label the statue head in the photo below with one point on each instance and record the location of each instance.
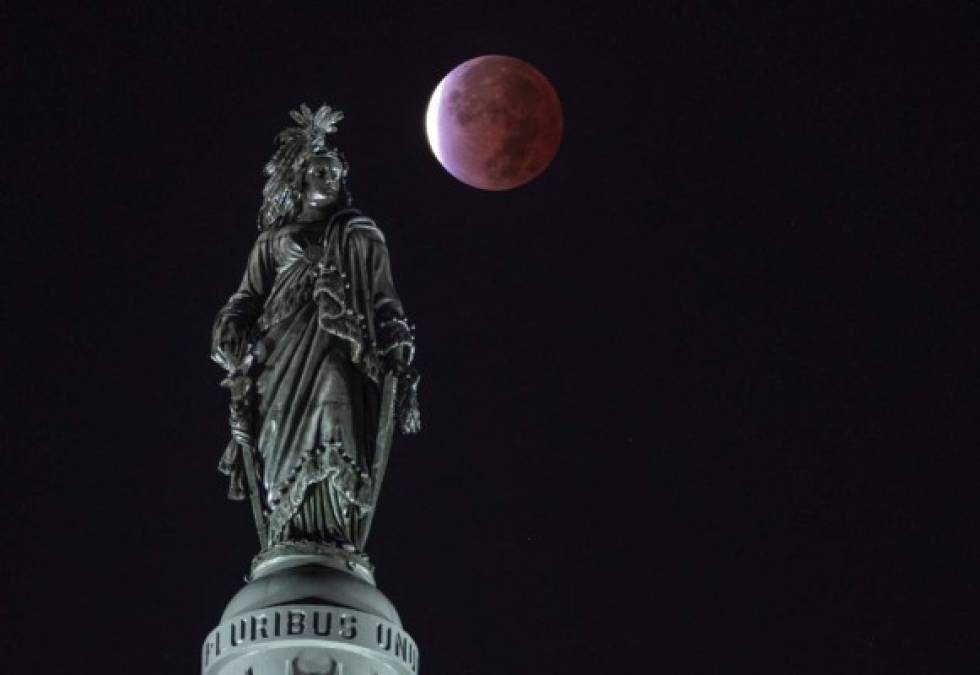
(323, 180)
(305, 171)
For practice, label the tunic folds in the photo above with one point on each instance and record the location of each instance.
(320, 308)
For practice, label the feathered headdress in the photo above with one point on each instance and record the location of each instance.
(283, 189)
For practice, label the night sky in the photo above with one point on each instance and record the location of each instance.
(702, 398)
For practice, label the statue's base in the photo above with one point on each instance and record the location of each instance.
(295, 553)
(303, 615)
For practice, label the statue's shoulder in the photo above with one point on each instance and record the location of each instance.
(273, 233)
(359, 226)
(289, 231)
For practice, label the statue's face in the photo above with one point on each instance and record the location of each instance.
(322, 181)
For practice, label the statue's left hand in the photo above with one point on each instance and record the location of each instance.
(409, 415)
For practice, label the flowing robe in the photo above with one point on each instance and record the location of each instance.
(321, 311)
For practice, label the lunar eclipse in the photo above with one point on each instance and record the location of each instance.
(494, 122)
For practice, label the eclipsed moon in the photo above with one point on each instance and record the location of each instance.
(494, 122)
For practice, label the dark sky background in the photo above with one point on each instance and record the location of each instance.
(700, 399)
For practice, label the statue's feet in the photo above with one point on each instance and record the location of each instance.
(287, 554)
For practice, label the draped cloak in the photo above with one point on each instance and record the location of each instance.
(321, 311)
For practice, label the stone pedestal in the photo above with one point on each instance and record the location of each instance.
(308, 614)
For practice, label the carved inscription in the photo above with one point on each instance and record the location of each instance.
(321, 623)
(348, 626)
(296, 622)
(306, 622)
(392, 640)
(260, 626)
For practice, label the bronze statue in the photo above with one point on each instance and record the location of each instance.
(311, 340)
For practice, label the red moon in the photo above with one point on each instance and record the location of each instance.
(494, 122)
